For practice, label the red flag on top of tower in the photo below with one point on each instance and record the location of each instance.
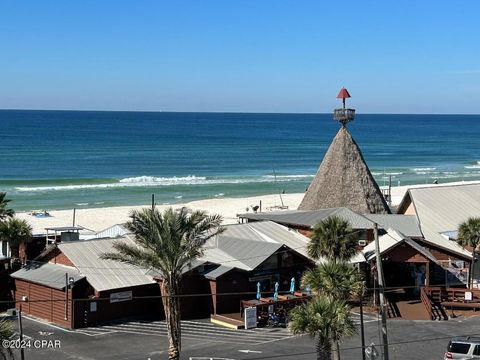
(343, 94)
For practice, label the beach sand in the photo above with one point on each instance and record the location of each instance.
(97, 219)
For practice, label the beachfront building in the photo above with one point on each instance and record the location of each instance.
(410, 259)
(78, 288)
(343, 178)
(440, 210)
(81, 289)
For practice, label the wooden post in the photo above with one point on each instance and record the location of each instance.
(66, 296)
(427, 275)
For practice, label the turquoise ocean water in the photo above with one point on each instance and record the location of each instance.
(66, 159)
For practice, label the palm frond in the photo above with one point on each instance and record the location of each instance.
(334, 239)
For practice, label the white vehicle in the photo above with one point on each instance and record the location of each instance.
(462, 348)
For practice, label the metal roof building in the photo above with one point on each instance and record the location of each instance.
(406, 224)
(51, 275)
(440, 210)
(246, 246)
(103, 274)
(309, 218)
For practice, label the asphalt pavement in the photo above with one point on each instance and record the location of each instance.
(135, 340)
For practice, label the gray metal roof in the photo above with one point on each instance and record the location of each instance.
(269, 231)
(406, 224)
(248, 254)
(217, 272)
(390, 240)
(312, 217)
(246, 246)
(442, 209)
(51, 275)
(65, 228)
(104, 274)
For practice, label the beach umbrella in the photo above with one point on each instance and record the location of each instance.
(292, 285)
(275, 294)
(259, 295)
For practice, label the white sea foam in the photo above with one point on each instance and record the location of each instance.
(288, 176)
(81, 204)
(219, 195)
(476, 166)
(424, 169)
(151, 181)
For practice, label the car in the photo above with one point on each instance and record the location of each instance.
(463, 347)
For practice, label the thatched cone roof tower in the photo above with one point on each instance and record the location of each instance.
(344, 179)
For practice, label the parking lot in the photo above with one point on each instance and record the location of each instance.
(204, 340)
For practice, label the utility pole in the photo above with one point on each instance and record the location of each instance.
(153, 202)
(362, 329)
(20, 329)
(381, 285)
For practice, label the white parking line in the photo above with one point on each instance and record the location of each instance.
(192, 329)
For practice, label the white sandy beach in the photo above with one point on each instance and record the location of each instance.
(96, 219)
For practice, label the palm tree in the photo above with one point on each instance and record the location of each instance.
(4, 212)
(336, 280)
(16, 231)
(334, 239)
(167, 242)
(328, 320)
(469, 235)
(6, 332)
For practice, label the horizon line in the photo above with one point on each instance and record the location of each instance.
(234, 112)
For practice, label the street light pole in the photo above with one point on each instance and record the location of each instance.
(20, 330)
(381, 285)
(362, 329)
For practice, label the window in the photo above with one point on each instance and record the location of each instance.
(4, 248)
(476, 351)
(458, 348)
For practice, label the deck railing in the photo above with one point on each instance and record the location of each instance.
(344, 115)
(427, 302)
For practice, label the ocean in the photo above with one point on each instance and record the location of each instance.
(66, 159)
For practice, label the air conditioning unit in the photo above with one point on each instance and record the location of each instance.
(362, 242)
(12, 312)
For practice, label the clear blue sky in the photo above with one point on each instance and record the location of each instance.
(260, 55)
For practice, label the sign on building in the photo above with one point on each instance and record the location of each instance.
(120, 296)
(250, 316)
(93, 306)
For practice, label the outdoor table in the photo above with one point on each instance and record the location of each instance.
(268, 299)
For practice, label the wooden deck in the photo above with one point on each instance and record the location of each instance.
(232, 321)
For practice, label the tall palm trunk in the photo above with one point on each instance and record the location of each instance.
(171, 306)
(336, 350)
(324, 349)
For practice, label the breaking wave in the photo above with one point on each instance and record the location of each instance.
(152, 181)
(476, 166)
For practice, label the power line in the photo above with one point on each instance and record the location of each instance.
(192, 295)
